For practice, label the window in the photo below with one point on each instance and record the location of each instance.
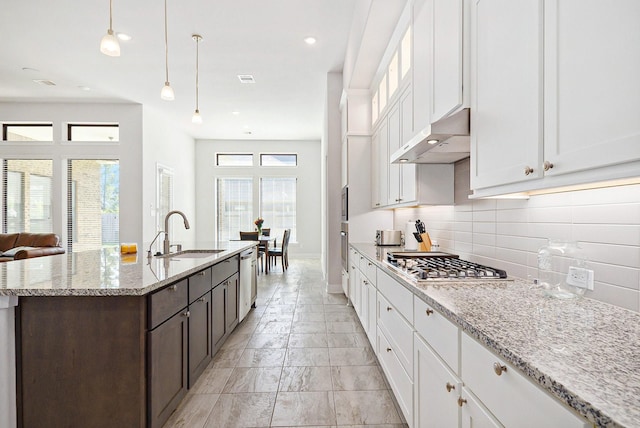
(382, 91)
(164, 195)
(27, 132)
(27, 196)
(93, 201)
(278, 204)
(393, 75)
(374, 108)
(237, 159)
(278, 160)
(234, 207)
(93, 132)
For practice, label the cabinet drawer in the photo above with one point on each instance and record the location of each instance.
(369, 269)
(199, 283)
(440, 333)
(510, 396)
(399, 296)
(167, 302)
(399, 380)
(399, 332)
(224, 269)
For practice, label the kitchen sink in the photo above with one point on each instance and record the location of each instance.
(191, 254)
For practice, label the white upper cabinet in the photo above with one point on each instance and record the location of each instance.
(448, 71)
(555, 94)
(506, 119)
(592, 84)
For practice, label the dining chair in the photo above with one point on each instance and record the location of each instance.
(266, 231)
(253, 236)
(282, 252)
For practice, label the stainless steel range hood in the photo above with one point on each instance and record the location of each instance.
(445, 141)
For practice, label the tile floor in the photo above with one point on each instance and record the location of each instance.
(299, 359)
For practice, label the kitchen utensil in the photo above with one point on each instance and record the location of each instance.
(417, 236)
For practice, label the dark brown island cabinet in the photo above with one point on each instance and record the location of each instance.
(121, 361)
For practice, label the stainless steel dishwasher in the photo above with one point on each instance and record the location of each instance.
(248, 282)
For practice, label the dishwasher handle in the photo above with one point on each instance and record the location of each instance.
(246, 255)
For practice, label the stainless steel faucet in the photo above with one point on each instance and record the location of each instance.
(166, 245)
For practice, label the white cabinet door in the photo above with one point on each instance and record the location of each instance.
(375, 171)
(474, 414)
(354, 279)
(506, 98)
(372, 313)
(436, 390)
(408, 177)
(447, 64)
(421, 63)
(394, 144)
(364, 302)
(592, 84)
(383, 164)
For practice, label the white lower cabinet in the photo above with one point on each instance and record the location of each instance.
(398, 331)
(400, 382)
(436, 389)
(514, 400)
(473, 414)
(372, 313)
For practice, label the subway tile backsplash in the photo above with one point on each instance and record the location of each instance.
(508, 233)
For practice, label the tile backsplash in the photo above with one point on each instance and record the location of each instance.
(508, 233)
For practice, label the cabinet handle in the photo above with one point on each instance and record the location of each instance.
(429, 312)
(499, 368)
(461, 401)
(547, 165)
(388, 349)
(201, 273)
(450, 387)
(173, 287)
(528, 170)
(366, 282)
(202, 299)
(369, 263)
(388, 308)
(186, 314)
(353, 267)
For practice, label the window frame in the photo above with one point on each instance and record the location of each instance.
(218, 154)
(5, 131)
(261, 154)
(71, 125)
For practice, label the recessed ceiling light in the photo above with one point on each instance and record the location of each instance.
(84, 88)
(310, 40)
(30, 70)
(248, 132)
(123, 36)
(246, 78)
(44, 82)
(236, 112)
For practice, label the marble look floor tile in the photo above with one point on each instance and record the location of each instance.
(276, 317)
(307, 357)
(236, 341)
(268, 341)
(344, 327)
(247, 326)
(212, 381)
(226, 358)
(304, 408)
(305, 379)
(347, 340)
(339, 308)
(310, 300)
(193, 411)
(307, 340)
(273, 327)
(357, 378)
(309, 327)
(253, 379)
(309, 317)
(352, 357)
(279, 309)
(335, 299)
(261, 358)
(253, 409)
(341, 317)
(310, 308)
(365, 408)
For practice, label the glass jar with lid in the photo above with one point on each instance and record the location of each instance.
(555, 261)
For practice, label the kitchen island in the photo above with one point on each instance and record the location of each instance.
(582, 353)
(104, 339)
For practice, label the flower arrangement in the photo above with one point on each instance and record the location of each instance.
(258, 223)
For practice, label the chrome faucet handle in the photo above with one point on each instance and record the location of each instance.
(149, 254)
(178, 247)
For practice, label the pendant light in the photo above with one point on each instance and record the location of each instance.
(196, 118)
(167, 90)
(109, 44)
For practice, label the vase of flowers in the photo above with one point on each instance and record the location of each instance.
(258, 224)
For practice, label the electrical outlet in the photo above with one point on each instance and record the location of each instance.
(580, 277)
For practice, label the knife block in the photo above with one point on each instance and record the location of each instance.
(425, 245)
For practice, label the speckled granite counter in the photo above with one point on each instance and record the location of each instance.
(584, 352)
(105, 272)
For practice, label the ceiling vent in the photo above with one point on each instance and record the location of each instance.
(44, 82)
(246, 78)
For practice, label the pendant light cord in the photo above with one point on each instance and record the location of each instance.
(166, 44)
(197, 67)
(110, 15)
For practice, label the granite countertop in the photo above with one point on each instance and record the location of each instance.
(584, 352)
(106, 272)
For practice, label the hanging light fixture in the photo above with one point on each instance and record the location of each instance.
(167, 90)
(196, 118)
(109, 44)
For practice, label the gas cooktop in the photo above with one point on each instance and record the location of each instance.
(440, 266)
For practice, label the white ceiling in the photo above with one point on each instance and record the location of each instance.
(60, 40)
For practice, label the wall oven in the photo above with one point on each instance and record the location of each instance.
(345, 203)
(344, 245)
